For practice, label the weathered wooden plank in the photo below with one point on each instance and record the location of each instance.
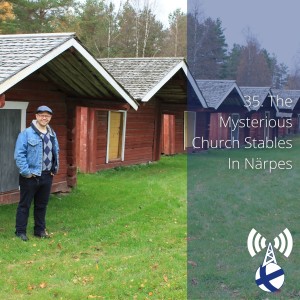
(74, 59)
(62, 76)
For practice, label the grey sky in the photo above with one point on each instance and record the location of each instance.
(275, 23)
(162, 8)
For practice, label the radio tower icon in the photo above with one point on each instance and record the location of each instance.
(269, 276)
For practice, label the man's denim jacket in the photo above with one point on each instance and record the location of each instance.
(29, 151)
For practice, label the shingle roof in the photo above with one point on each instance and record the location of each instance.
(216, 91)
(143, 77)
(19, 51)
(76, 72)
(294, 95)
(139, 75)
(260, 94)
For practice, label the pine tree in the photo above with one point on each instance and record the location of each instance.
(40, 15)
(232, 62)
(207, 47)
(175, 43)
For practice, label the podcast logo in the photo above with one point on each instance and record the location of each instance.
(270, 276)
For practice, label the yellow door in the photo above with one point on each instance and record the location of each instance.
(115, 136)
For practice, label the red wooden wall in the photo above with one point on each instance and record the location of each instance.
(218, 133)
(39, 92)
(259, 133)
(143, 141)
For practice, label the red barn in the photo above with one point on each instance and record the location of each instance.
(289, 110)
(228, 106)
(160, 125)
(55, 70)
(263, 111)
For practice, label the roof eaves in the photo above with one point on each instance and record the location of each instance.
(97, 65)
(245, 94)
(181, 65)
(156, 88)
(242, 96)
(72, 42)
(234, 86)
(17, 77)
(39, 35)
(160, 84)
(194, 84)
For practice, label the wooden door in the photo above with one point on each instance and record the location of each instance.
(10, 124)
(115, 135)
(168, 134)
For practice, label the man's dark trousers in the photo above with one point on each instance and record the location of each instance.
(37, 188)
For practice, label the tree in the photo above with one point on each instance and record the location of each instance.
(253, 68)
(6, 11)
(127, 33)
(208, 47)
(175, 42)
(194, 36)
(40, 15)
(232, 62)
(140, 33)
(279, 71)
(6, 16)
(98, 27)
(293, 80)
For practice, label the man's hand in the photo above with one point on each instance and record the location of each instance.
(30, 175)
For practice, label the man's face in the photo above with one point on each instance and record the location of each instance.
(43, 118)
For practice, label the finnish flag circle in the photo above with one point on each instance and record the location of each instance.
(270, 277)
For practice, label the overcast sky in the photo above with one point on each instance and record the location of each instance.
(162, 7)
(165, 7)
(275, 23)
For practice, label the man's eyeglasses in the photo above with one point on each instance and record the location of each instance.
(44, 116)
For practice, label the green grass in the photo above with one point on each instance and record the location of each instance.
(121, 234)
(223, 206)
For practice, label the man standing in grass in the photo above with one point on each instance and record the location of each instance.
(36, 155)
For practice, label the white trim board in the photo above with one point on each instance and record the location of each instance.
(107, 160)
(182, 65)
(10, 82)
(18, 105)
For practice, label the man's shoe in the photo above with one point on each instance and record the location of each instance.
(42, 235)
(22, 236)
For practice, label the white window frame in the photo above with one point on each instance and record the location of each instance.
(186, 114)
(19, 106)
(266, 127)
(237, 128)
(123, 134)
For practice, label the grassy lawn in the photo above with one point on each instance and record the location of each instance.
(223, 206)
(121, 234)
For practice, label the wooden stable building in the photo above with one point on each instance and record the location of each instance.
(288, 108)
(227, 105)
(263, 110)
(160, 125)
(54, 70)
